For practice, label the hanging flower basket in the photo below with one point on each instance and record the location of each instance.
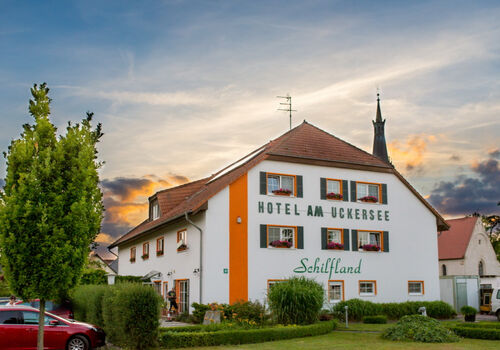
(333, 195)
(334, 245)
(370, 247)
(280, 244)
(145, 256)
(282, 192)
(369, 199)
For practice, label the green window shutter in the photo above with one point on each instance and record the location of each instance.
(300, 237)
(324, 237)
(385, 241)
(263, 236)
(353, 191)
(384, 194)
(263, 182)
(346, 239)
(345, 191)
(354, 240)
(322, 188)
(300, 191)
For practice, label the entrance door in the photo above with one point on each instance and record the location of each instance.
(182, 291)
(461, 294)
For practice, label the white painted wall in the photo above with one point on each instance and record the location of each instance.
(447, 291)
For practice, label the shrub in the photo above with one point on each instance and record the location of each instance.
(419, 329)
(87, 303)
(241, 312)
(357, 309)
(199, 311)
(477, 332)
(94, 276)
(487, 325)
(128, 279)
(468, 310)
(172, 339)
(296, 301)
(379, 319)
(325, 315)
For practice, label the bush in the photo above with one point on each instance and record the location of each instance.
(487, 325)
(172, 339)
(241, 312)
(357, 309)
(199, 311)
(489, 333)
(94, 276)
(380, 319)
(419, 329)
(128, 279)
(468, 310)
(296, 301)
(87, 303)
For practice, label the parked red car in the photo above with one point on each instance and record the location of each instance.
(19, 329)
(63, 309)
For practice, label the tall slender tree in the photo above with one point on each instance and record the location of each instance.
(52, 205)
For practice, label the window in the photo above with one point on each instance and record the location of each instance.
(281, 236)
(181, 240)
(132, 254)
(367, 288)
(367, 192)
(157, 287)
(444, 269)
(334, 235)
(369, 240)
(10, 317)
(335, 291)
(278, 184)
(145, 251)
(481, 269)
(416, 287)
(155, 210)
(334, 189)
(160, 243)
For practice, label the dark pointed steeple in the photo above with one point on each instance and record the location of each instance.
(379, 146)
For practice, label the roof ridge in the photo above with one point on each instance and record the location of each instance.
(179, 186)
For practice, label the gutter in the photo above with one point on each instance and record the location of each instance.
(201, 253)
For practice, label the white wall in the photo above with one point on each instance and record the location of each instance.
(446, 290)
(480, 249)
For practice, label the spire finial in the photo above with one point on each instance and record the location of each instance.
(379, 113)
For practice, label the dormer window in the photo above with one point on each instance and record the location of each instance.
(155, 210)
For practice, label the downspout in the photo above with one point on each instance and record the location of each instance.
(201, 253)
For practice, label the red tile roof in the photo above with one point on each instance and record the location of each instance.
(452, 244)
(303, 144)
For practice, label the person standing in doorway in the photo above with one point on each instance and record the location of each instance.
(172, 298)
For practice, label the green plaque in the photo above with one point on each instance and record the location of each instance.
(226, 271)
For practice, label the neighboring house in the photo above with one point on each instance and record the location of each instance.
(107, 265)
(276, 212)
(467, 263)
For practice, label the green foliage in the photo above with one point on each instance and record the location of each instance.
(94, 276)
(128, 279)
(486, 325)
(87, 303)
(379, 319)
(172, 339)
(357, 309)
(468, 310)
(297, 300)
(242, 312)
(489, 333)
(419, 328)
(199, 311)
(4, 287)
(52, 205)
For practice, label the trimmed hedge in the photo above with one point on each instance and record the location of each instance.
(495, 325)
(477, 332)
(359, 308)
(174, 339)
(379, 319)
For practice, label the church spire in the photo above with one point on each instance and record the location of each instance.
(379, 146)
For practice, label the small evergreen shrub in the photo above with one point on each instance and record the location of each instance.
(486, 325)
(296, 301)
(199, 312)
(468, 310)
(489, 333)
(419, 328)
(379, 319)
(93, 276)
(357, 309)
(128, 279)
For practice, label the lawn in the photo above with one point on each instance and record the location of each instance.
(342, 339)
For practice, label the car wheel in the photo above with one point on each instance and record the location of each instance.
(78, 342)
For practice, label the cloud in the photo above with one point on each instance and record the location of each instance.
(467, 194)
(411, 152)
(104, 238)
(455, 157)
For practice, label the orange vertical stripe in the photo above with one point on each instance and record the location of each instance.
(238, 240)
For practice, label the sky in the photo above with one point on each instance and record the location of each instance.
(184, 88)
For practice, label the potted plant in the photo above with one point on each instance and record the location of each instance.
(145, 256)
(282, 192)
(132, 260)
(369, 199)
(159, 252)
(335, 245)
(370, 247)
(333, 195)
(469, 313)
(280, 244)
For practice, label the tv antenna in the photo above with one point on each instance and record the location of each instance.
(288, 105)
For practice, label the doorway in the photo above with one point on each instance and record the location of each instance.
(182, 291)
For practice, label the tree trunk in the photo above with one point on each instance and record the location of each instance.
(41, 321)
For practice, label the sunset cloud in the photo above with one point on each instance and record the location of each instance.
(410, 154)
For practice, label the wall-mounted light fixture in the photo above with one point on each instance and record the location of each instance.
(196, 270)
(238, 219)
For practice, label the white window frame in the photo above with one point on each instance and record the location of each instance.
(182, 236)
(283, 235)
(365, 186)
(155, 210)
(336, 283)
(330, 230)
(364, 285)
(280, 178)
(331, 181)
(421, 283)
(367, 240)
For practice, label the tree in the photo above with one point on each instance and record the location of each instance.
(52, 205)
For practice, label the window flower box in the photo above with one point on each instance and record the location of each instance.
(335, 246)
(333, 195)
(132, 260)
(145, 256)
(369, 199)
(159, 252)
(282, 192)
(280, 244)
(370, 248)
(181, 247)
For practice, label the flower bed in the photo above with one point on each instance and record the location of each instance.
(282, 192)
(280, 244)
(333, 195)
(369, 199)
(370, 247)
(193, 338)
(334, 245)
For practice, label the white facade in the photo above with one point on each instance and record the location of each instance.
(409, 224)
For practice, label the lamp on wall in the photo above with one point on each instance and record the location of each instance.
(196, 270)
